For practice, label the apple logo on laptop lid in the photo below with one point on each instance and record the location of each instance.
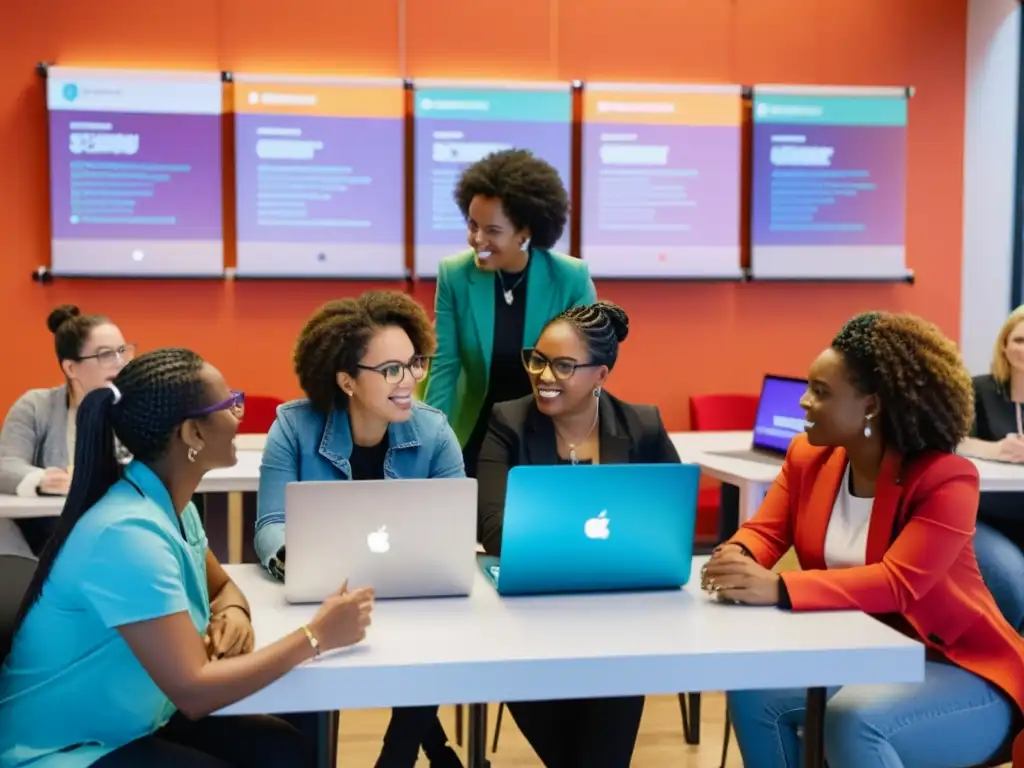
(597, 527)
(379, 541)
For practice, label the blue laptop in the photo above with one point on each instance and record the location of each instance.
(596, 528)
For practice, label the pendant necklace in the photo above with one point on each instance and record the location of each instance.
(573, 458)
(507, 292)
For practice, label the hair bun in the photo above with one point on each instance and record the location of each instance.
(617, 317)
(61, 315)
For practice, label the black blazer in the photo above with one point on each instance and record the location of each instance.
(519, 434)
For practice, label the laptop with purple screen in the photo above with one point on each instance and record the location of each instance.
(779, 419)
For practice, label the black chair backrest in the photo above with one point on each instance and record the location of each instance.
(16, 573)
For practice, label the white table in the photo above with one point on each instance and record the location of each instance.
(485, 648)
(755, 478)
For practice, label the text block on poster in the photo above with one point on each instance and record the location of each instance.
(135, 173)
(829, 183)
(458, 123)
(661, 180)
(319, 175)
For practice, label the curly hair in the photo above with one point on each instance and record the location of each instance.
(917, 372)
(335, 338)
(531, 192)
(154, 394)
(602, 327)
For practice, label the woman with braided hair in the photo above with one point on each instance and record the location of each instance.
(131, 633)
(881, 512)
(571, 419)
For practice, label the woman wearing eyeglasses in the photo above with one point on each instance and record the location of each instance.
(359, 361)
(37, 442)
(570, 419)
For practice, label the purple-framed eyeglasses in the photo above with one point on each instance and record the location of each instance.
(235, 403)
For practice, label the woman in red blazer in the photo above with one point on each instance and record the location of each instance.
(881, 513)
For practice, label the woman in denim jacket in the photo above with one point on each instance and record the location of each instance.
(359, 361)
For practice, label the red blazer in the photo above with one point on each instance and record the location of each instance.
(920, 555)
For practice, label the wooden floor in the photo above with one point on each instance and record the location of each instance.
(660, 742)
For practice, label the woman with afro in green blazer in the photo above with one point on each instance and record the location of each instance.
(494, 299)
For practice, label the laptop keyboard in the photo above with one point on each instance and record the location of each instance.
(750, 455)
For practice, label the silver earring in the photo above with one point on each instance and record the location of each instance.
(192, 453)
(597, 391)
(525, 247)
(867, 427)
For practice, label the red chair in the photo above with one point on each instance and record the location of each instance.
(719, 413)
(260, 412)
(713, 413)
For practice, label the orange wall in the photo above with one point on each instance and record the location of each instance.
(686, 337)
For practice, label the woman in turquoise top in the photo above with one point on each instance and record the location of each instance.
(131, 633)
(359, 360)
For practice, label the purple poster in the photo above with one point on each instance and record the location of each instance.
(455, 127)
(135, 173)
(320, 188)
(661, 181)
(829, 186)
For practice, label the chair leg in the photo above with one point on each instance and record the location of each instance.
(689, 707)
(725, 738)
(459, 723)
(497, 726)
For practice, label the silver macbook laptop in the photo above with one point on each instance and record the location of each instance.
(404, 538)
(779, 419)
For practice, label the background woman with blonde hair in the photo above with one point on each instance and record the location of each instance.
(998, 435)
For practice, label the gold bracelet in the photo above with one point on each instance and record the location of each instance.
(313, 642)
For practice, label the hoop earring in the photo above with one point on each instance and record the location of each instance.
(192, 453)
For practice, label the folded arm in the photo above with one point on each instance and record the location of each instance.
(18, 442)
(939, 528)
(768, 535)
(279, 466)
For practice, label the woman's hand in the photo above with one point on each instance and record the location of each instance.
(230, 634)
(1011, 449)
(343, 618)
(55, 482)
(734, 576)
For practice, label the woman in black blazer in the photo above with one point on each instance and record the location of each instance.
(569, 419)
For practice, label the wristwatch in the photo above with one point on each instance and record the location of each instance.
(276, 565)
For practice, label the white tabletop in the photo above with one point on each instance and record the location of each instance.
(244, 476)
(485, 648)
(696, 447)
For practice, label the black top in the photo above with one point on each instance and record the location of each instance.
(368, 461)
(519, 434)
(508, 379)
(995, 416)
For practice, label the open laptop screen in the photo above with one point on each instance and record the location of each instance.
(779, 415)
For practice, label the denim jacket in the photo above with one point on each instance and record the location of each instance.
(305, 444)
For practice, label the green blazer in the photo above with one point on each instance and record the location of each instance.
(464, 308)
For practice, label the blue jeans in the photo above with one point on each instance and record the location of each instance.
(953, 719)
(1001, 563)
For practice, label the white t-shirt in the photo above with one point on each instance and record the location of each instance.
(846, 541)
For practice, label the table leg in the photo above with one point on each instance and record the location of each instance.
(477, 742)
(234, 528)
(751, 496)
(814, 727)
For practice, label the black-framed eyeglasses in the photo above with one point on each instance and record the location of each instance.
(109, 356)
(562, 368)
(235, 404)
(393, 371)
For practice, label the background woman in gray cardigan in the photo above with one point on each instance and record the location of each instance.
(37, 442)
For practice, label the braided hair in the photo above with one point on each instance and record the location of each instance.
(154, 394)
(601, 326)
(917, 373)
(335, 338)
